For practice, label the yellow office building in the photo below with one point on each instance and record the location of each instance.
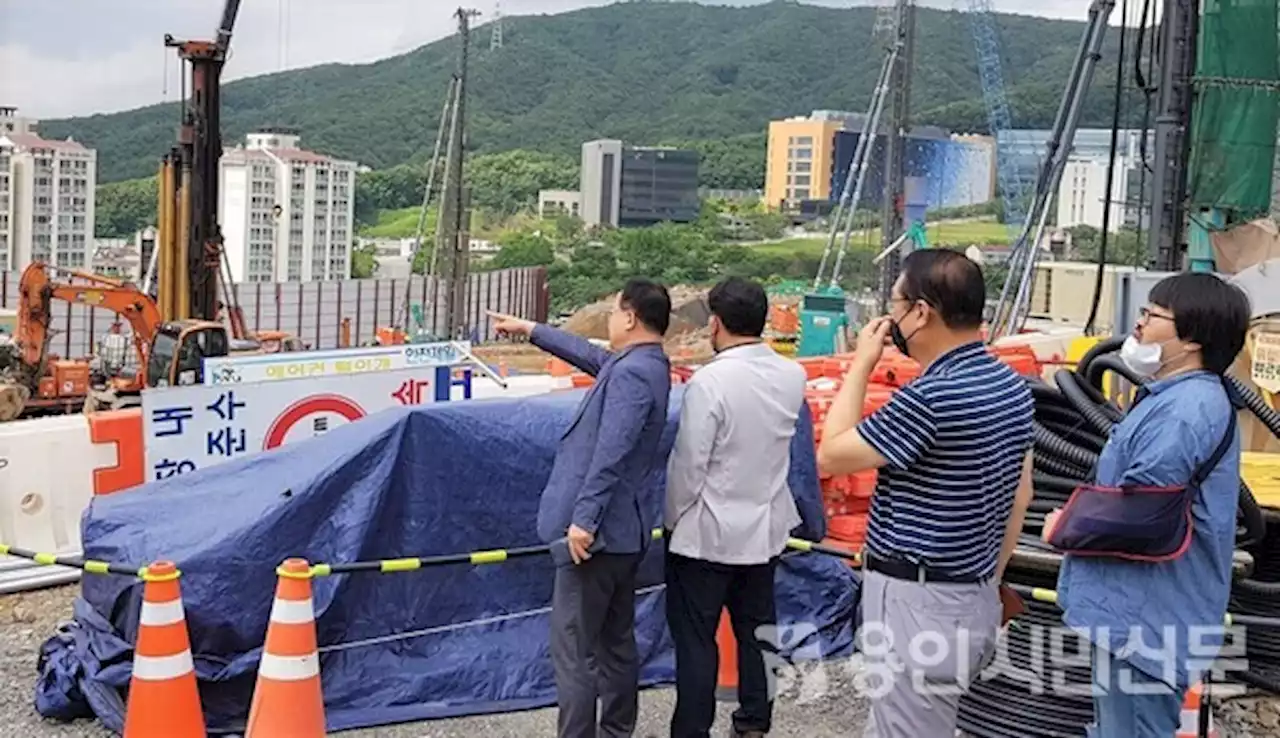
(800, 160)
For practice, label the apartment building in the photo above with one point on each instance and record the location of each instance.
(46, 197)
(287, 214)
(625, 186)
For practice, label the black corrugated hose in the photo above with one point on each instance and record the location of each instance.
(1073, 421)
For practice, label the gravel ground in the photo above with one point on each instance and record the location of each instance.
(811, 704)
(26, 620)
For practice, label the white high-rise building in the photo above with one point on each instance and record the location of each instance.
(46, 197)
(1082, 195)
(287, 214)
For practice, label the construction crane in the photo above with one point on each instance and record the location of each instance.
(986, 46)
(189, 244)
(1015, 297)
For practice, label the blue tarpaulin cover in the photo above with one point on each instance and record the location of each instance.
(439, 642)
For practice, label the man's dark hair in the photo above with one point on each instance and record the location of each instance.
(741, 305)
(650, 302)
(949, 282)
(1208, 311)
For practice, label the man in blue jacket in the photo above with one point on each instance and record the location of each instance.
(593, 499)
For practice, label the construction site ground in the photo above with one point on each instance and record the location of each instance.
(28, 619)
(809, 705)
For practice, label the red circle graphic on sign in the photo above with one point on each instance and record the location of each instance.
(281, 426)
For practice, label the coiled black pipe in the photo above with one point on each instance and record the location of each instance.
(1050, 443)
(1101, 348)
(1258, 406)
(1077, 434)
(1073, 387)
(1096, 369)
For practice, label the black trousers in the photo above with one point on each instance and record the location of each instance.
(593, 646)
(697, 591)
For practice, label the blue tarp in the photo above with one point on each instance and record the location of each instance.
(439, 642)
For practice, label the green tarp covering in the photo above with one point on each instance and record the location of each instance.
(1233, 125)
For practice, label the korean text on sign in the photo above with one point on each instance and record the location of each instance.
(223, 435)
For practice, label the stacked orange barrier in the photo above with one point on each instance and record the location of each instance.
(784, 319)
(847, 498)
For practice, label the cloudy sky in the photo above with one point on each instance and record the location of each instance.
(75, 57)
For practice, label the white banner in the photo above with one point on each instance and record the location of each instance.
(189, 428)
(339, 362)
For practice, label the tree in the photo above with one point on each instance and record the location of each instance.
(1123, 247)
(510, 181)
(524, 250)
(364, 262)
(124, 208)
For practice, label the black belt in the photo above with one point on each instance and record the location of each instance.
(899, 569)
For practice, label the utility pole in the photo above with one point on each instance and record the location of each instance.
(453, 235)
(495, 37)
(895, 146)
(1178, 28)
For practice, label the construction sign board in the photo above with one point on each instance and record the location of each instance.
(1266, 361)
(190, 428)
(339, 362)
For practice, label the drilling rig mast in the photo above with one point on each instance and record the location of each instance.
(189, 243)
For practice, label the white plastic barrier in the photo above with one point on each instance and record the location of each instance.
(46, 482)
(47, 478)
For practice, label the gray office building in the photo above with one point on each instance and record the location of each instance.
(626, 186)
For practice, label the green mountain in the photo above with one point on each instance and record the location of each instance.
(641, 71)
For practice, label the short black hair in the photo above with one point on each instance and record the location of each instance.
(949, 282)
(1208, 311)
(650, 302)
(741, 305)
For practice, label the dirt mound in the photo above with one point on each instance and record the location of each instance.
(689, 314)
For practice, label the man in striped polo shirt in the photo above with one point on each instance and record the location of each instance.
(953, 453)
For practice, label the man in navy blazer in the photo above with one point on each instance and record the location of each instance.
(593, 501)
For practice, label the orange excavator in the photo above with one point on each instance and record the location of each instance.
(33, 381)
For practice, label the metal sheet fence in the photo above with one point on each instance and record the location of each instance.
(314, 311)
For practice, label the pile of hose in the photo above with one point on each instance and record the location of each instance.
(1073, 421)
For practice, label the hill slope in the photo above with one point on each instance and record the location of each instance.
(643, 72)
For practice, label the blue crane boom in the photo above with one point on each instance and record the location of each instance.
(986, 46)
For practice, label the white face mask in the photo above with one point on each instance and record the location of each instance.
(1143, 359)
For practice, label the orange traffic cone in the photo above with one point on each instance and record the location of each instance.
(1189, 726)
(287, 701)
(163, 699)
(727, 673)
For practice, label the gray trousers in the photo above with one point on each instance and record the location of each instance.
(923, 644)
(593, 646)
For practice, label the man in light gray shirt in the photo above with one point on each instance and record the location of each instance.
(729, 509)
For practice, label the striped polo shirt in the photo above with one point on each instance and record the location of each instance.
(955, 440)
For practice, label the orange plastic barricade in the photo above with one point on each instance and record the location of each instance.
(124, 429)
(1021, 359)
(878, 395)
(287, 700)
(1189, 724)
(581, 379)
(163, 699)
(849, 530)
(727, 674)
(814, 368)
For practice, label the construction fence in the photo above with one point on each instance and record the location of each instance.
(315, 311)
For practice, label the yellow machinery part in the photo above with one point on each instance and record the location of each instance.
(1261, 472)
